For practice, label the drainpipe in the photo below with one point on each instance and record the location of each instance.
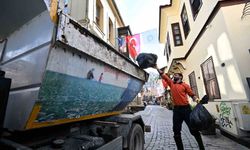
(87, 14)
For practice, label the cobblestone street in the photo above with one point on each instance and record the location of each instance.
(161, 135)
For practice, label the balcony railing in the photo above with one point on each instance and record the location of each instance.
(246, 11)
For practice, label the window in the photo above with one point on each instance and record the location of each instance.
(111, 32)
(176, 34)
(248, 81)
(99, 14)
(195, 6)
(167, 47)
(185, 23)
(210, 79)
(193, 84)
(2, 47)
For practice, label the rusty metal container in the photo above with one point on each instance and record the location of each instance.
(60, 71)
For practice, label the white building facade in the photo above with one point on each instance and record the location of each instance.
(101, 17)
(209, 42)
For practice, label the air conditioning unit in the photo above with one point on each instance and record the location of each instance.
(243, 115)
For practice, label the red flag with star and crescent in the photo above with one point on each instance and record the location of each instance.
(133, 45)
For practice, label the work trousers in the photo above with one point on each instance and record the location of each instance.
(180, 114)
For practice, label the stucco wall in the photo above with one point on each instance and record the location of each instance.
(172, 15)
(197, 24)
(218, 42)
(238, 32)
(226, 38)
(77, 10)
(178, 50)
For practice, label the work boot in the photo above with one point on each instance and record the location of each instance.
(178, 142)
(199, 141)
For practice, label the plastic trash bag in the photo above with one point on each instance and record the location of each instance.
(146, 60)
(200, 118)
(204, 99)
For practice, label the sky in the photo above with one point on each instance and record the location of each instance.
(141, 16)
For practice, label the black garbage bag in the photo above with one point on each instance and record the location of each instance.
(146, 60)
(200, 118)
(204, 99)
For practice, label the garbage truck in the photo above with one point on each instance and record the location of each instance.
(62, 87)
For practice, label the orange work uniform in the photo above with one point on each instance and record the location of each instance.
(179, 91)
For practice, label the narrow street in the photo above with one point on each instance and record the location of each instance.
(161, 135)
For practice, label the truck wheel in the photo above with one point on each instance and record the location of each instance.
(136, 138)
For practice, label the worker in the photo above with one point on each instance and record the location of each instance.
(179, 91)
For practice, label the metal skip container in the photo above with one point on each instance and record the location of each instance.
(60, 71)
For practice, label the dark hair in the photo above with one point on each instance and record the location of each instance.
(180, 74)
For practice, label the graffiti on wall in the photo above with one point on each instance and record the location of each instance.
(245, 110)
(225, 112)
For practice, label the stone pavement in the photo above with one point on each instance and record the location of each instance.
(161, 135)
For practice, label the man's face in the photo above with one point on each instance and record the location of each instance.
(177, 77)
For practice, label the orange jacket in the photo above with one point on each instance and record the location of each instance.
(164, 83)
(179, 91)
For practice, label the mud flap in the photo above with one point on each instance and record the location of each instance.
(4, 94)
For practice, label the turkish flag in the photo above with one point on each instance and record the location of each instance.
(133, 45)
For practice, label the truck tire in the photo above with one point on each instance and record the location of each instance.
(136, 138)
